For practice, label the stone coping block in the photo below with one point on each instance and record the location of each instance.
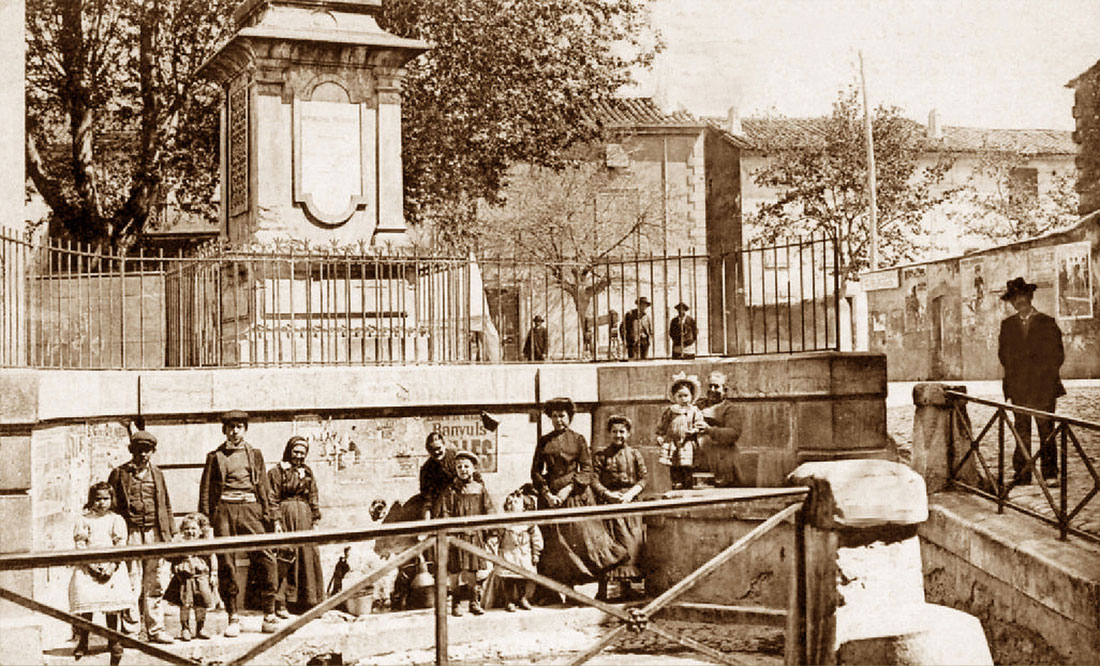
(917, 633)
(862, 494)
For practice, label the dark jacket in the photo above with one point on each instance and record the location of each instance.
(1032, 361)
(683, 334)
(213, 480)
(119, 480)
(536, 344)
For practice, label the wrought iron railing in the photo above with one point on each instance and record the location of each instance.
(70, 305)
(971, 466)
(441, 535)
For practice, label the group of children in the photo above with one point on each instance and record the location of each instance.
(105, 586)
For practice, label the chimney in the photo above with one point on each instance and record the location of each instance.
(733, 122)
(934, 131)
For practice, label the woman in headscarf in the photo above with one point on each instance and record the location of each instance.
(301, 582)
(619, 476)
(579, 552)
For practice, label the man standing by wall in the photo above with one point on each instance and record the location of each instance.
(683, 332)
(141, 498)
(1030, 349)
(235, 496)
(638, 330)
(538, 340)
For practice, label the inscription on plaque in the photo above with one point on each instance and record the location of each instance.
(238, 151)
(330, 163)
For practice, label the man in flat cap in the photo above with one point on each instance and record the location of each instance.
(683, 333)
(1030, 349)
(235, 496)
(537, 342)
(638, 329)
(141, 498)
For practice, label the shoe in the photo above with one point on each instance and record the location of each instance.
(456, 610)
(511, 607)
(202, 635)
(185, 635)
(162, 638)
(81, 650)
(1052, 481)
(1020, 481)
(476, 609)
(234, 628)
(282, 613)
(524, 604)
(271, 624)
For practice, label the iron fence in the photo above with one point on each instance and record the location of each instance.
(68, 305)
(444, 534)
(1079, 485)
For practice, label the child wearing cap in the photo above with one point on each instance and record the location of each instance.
(465, 497)
(678, 430)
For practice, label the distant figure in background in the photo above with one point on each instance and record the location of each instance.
(1030, 349)
(614, 340)
(683, 332)
(99, 586)
(301, 582)
(537, 342)
(141, 497)
(638, 330)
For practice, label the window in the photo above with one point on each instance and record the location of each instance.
(1023, 184)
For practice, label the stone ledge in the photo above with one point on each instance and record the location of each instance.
(1021, 552)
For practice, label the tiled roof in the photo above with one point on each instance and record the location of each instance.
(779, 133)
(626, 111)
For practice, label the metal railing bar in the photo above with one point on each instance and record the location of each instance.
(334, 601)
(1092, 425)
(98, 629)
(1095, 538)
(12, 561)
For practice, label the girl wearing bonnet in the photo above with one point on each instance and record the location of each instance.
(679, 428)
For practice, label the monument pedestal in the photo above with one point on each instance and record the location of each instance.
(311, 124)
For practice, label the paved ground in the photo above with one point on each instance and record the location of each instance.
(1082, 401)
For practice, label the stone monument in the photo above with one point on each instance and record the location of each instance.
(311, 123)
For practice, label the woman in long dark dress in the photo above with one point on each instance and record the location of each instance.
(294, 489)
(620, 476)
(579, 552)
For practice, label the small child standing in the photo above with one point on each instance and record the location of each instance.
(678, 430)
(465, 497)
(191, 587)
(100, 586)
(520, 545)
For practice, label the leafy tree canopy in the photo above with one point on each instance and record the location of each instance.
(115, 114)
(823, 187)
(507, 81)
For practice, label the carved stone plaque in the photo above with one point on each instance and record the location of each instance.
(328, 160)
(238, 150)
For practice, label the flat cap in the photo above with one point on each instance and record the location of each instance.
(143, 436)
(235, 416)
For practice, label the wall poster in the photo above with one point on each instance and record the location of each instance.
(1074, 284)
(915, 280)
(974, 290)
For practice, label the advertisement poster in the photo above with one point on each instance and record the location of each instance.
(974, 296)
(916, 297)
(1074, 285)
(467, 433)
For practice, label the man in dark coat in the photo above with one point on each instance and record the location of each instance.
(537, 342)
(719, 437)
(141, 498)
(638, 330)
(1030, 349)
(683, 332)
(235, 495)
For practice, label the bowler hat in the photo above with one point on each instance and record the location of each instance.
(143, 437)
(682, 306)
(235, 416)
(1018, 285)
(537, 319)
(642, 301)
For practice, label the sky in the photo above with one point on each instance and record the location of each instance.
(979, 63)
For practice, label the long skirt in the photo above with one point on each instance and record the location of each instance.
(580, 552)
(301, 579)
(628, 532)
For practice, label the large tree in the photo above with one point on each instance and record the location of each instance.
(821, 186)
(116, 116)
(1005, 200)
(507, 81)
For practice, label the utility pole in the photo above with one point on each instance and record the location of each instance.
(873, 205)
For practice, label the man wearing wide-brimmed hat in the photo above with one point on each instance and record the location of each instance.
(537, 342)
(683, 332)
(1030, 349)
(235, 495)
(638, 329)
